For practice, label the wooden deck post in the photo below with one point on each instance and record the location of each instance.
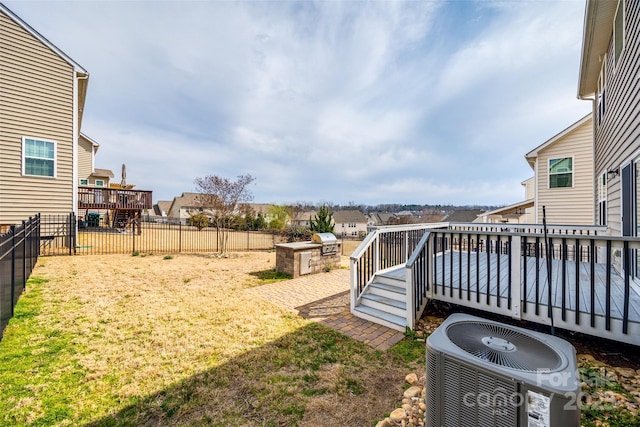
(516, 297)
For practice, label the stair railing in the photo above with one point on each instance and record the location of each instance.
(419, 279)
(383, 248)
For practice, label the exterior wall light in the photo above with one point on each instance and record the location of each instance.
(613, 173)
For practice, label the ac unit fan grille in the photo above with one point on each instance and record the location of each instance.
(504, 346)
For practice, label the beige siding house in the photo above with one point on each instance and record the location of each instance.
(609, 70)
(563, 176)
(42, 94)
(350, 223)
(87, 149)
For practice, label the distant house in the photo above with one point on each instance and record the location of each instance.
(42, 96)
(609, 70)
(517, 213)
(377, 219)
(302, 218)
(182, 207)
(161, 209)
(562, 181)
(463, 215)
(563, 175)
(350, 223)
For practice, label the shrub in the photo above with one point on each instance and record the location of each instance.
(199, 220)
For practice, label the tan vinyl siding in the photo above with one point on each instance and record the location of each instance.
(617, 138)
(85, 158)
(570, 205)
(529, 188)
(36, 100)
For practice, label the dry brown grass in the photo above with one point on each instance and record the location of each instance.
(180, 341)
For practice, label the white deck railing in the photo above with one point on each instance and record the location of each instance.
(593, 277)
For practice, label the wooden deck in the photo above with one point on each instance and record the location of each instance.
(504, 271)
(536, 283)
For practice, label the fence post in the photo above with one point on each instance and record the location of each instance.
(37, 241)
(24, 256)
(70, 242)
(133, 229)
(13, 267)
(516, 278)
(179, 235)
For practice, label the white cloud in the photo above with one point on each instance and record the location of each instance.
(371, 102)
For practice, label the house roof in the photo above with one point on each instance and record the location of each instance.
(91, 140)
(533, 154)
(463, 215)
(305, 216)
(186, 200)
(80, 71)
(102, 173)
(514, 208)
(162, 206)
(349, 216)
(598, 28)
(383, 218)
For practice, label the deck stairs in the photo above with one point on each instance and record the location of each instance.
(384, 300)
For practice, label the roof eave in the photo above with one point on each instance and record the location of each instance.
(533, 154)
(598, 28)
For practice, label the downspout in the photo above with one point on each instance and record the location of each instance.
(76, 133)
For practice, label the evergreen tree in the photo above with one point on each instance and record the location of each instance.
(323, 221)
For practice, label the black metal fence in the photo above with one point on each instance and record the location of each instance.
(96, 238)
(19, 250)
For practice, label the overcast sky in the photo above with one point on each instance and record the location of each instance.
(364, 102)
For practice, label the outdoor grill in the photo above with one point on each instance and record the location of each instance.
(328, 241)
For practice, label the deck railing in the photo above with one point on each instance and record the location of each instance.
(593, 285)
(383, 248)
(112, 198)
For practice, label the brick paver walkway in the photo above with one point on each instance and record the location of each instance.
(324, 298)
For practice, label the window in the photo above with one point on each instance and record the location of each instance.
(618, 32)
(561, 172)
(38, 157)
(602, 199)
(99, 183)
(84, 182)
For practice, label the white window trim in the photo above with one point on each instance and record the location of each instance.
(86, 181)
(573, 172)
(55, 157)
(99, 180)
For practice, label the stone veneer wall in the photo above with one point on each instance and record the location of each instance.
(288, 258)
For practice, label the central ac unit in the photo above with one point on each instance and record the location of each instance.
(487, 374)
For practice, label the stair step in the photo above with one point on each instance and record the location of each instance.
(390, 320)
(388, 305)
(387, 301)
(396, 274)
(393, 280)
(388, 291)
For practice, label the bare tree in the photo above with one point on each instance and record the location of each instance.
(223, 196)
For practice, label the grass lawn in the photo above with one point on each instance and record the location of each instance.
(154, 340)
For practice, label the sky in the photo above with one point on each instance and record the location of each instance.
(409, 102)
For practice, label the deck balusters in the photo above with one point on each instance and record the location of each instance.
(627, 276)
(592, 294)
(607, 314)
